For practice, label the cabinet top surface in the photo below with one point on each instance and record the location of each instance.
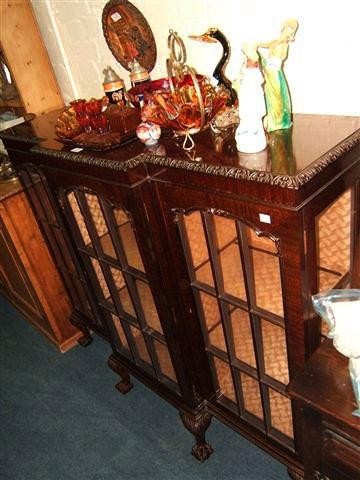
(292, 157)
(325, 385)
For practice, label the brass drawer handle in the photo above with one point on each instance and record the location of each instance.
(318, 476)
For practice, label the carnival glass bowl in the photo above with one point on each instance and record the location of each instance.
(188, 107)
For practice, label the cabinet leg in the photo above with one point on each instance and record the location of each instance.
(198, 425)
(86, 338)
(294, 475)
(125, 385)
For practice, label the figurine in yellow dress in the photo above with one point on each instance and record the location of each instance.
(277, 96)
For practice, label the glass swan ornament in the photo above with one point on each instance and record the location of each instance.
(214, 35)
(341, 311)
(228, 117)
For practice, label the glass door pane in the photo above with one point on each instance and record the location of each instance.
(239, 299)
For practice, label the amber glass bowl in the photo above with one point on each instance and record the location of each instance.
(179, 109)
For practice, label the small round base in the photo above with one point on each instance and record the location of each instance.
(151, 143)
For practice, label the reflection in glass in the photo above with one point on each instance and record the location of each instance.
(281, 415)
(212, 320)
(243, 339)
(130, 246)
(225, 230)
(120, 216)
(123, 291)
(268, 289)
(164, 360)
(224, 379)
(333, 227)
(327, 280)
(126, 302)
(107, 246)
(282, 157)
(275, 352)
(101, 278)
(79, 218)
(148, 305)
(204, 274)
(251, 394)
(196, 238)
(120, 331)
(140, 344)
(255, 161)
(97, 214)
(232, 271)
(118, 277)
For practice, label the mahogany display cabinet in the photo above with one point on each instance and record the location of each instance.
(198, 267)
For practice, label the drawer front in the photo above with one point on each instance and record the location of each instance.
(340, 457)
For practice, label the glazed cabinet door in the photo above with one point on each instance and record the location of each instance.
(336, 243)
(48, 215)
(106, 241)
(100, 238)
(242, 284)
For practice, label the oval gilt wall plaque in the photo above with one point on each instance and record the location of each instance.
(128, 34)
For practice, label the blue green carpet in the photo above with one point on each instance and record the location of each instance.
(62, 419)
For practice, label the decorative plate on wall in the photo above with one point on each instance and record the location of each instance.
(128, 34)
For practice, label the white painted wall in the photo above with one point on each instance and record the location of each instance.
(323, 68)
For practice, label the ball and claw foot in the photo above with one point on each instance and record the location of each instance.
(202, 452)
(198, 425)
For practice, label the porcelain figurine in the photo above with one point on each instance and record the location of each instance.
(277, 96)
(341, 310)
(148, 133)
(250, 135)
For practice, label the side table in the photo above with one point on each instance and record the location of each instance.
(28, 276)
(331, 433)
